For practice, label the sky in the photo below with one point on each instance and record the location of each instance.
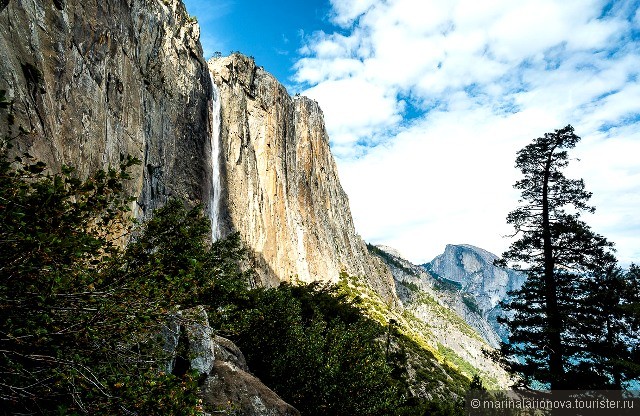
(427, 102)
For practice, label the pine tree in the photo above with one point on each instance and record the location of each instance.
(560, 255)
(611, 337)
(79, 315)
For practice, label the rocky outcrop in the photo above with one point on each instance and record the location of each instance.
(410, 277)
(473, 269)
(280, 183)
(232, 391)
(227, 386)
(93, 80)
(189, 342)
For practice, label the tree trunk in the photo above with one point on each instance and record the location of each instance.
(554, 327)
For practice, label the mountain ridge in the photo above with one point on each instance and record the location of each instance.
(473, 269)
(444, 319)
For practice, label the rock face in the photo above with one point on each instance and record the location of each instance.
(472, 268)
(189, 341)
(280, 183)
(232, 391)
(227, 387)
(409, 276)
(93, 80)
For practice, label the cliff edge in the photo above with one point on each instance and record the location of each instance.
(280, 183)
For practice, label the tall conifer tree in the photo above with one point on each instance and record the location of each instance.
(560, 255)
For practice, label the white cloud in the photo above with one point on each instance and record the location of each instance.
(346, 11)
(323, 70)
(478, 81)
(364, 109)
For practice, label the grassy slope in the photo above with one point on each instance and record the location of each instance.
(411, 323)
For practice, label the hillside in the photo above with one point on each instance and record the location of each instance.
(445, 319)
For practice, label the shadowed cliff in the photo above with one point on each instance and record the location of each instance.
(93, 80)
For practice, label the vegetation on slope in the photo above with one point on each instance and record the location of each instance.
(423, 303)
(81, 316)
(439, 374)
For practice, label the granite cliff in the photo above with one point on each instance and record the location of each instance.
(473, 270)
(90, 81)
(280, 186)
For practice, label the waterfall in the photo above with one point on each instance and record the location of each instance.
(214, 202)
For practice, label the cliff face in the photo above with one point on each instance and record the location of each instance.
(280, 183)
(408, 276)
(472, 268)
(93, 80)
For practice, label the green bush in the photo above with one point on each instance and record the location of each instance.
(80, 316)
(315, 349)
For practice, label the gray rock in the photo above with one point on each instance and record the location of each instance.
(445, 320)
(91, 81)
(233, 391)
(189, 338)
(228, 385)
(226, 350)
(473, 269)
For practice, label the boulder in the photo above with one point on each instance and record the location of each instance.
(189, 342)
(236, 392)
(227, 385)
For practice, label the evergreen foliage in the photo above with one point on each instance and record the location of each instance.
(321, 353)
(568, 329)
(79, 318)
(633, 307)
(611, 340)
(316, 350)
(81, 315)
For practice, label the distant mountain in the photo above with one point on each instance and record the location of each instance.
(472, 270)
(446, 318)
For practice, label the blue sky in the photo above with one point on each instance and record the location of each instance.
(270, 31)
(427, 102)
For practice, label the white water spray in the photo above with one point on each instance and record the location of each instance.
(214, 203)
